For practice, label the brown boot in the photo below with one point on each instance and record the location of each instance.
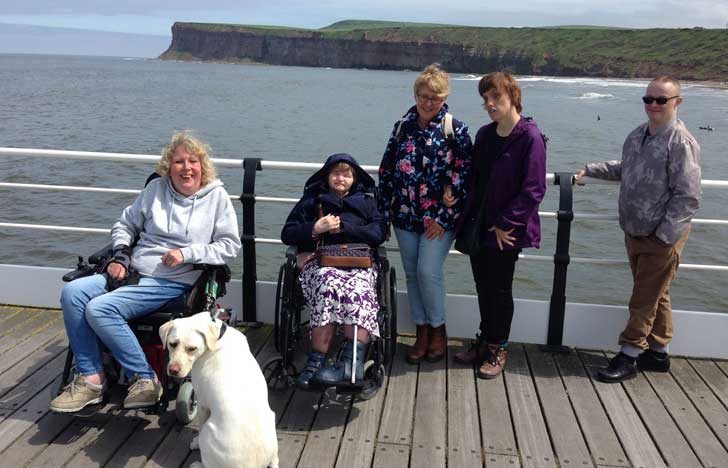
(494, 362)
(474, 354)
(419, 350)
(438, 343)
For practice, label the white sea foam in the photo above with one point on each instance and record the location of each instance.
(595, 96)
(603, 82)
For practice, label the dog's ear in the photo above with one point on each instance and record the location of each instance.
(211, 333)
(164, 331)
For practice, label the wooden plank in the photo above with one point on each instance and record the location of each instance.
(35, 439)
(566, 436)
(392, 455)
(14, 320)
(325, 435)
(396, 423)
(290, 447)
(709, 406)
(463, 429)
(494, 460)
(693, 427)
(174, 449)
(429, 438)
(35, 323)
(138, 448)
(7, 314)
(37, 359)
(495, 418)
(35, 341)
(711, 373)
(257, 337)
(600, 437)
(15, 423)
(112, 436)
(630, 429)
(74, 438)
(531, 434)
(29, 387)
(357, 446)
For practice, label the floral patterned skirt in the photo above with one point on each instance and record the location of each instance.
(341, 295)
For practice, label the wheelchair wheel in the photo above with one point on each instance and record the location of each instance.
(277, 310)
(186, 405)
(373, 380)
(278, 375)
(390, 334)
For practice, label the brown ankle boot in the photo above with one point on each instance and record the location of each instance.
(494, 362)
(438, 343)
(419, 350)
(474, 354)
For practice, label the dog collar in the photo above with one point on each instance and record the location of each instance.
(223, 328)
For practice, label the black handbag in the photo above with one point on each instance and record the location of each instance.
(469, 240)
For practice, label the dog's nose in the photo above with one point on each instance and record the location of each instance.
(173, 369)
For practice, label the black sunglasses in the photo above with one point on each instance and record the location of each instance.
(662, 100)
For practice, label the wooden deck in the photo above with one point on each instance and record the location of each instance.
(546, 411)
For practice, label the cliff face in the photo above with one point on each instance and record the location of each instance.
(379, 49)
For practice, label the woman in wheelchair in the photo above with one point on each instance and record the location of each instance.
(337, 207)
(183, 217)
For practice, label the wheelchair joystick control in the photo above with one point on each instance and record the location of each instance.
(82, 269)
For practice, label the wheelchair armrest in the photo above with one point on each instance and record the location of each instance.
(381, 252)
(222, 272)
(100, 256)
(291, 253)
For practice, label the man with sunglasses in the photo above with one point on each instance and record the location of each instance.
(659, 194)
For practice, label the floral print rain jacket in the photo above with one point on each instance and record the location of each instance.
(417, 166)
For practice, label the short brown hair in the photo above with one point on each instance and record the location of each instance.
(668, 79)
(434, 78)
(194, 147)
(502, 83)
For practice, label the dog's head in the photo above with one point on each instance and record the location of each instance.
(187, 340)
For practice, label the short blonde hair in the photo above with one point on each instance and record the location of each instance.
(668, 79)
(194, 147)
(435, 79)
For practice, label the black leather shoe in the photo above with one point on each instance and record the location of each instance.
(655, 361)
(621, 367)
(313, 365)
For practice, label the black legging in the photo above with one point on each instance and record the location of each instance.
(493, 274)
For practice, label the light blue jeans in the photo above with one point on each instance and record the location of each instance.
(94, 316)
(423, 261)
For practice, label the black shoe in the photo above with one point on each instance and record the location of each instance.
(314, 363)
(655, 361)
(621, 367)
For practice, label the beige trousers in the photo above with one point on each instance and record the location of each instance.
(653, 264)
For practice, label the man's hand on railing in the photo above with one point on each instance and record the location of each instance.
(578, 176)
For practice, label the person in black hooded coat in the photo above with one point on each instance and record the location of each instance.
(338, 206)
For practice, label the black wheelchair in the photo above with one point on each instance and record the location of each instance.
(290, 327)
(210, 286)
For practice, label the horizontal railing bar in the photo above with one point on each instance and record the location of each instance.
(74, 188)
(265, 164)
(264, 240)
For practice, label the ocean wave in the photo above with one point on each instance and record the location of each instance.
(602, 82)
(595, 96)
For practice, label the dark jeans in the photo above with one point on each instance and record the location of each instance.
(493, 274)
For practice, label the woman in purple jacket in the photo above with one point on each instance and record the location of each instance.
(508, 184)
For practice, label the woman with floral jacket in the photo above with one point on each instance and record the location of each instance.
(421, 192)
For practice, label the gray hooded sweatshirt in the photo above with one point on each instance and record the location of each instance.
(204, 226)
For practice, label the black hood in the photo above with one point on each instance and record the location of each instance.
(318, 182)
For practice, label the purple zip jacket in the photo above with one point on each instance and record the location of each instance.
(516, 185)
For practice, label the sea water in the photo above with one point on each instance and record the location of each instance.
(305, 114)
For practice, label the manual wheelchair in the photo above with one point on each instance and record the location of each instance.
(291, 326)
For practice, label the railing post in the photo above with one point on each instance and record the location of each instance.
(250, 276)
(557, 306)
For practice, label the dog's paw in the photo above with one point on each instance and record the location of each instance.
(195, 445)
(197, 465)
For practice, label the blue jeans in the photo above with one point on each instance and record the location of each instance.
(423, 261)
(94, 317)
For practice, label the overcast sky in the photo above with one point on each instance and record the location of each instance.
(157, 16)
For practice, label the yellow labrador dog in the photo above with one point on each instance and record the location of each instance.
(237, 426)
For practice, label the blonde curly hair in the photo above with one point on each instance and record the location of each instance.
(194, 147)
(433, 78)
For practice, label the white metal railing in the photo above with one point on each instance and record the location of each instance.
(296, 166)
